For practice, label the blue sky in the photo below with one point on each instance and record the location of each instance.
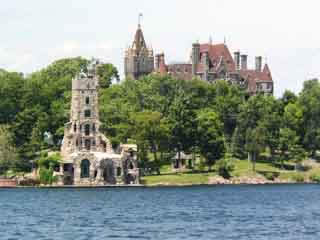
(34, 33)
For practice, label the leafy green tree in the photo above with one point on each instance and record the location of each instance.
(107, 73)
(150, 129)
(11, 93)
(309, 100)
(255, 143)
(288, 139)
(210, 139)
(225, 166)
(8, 153)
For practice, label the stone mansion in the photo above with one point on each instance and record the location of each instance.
(208, 62)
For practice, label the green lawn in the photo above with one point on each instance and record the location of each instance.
(243, 168)
(178, 178)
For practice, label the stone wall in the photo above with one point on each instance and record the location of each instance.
(8, 183)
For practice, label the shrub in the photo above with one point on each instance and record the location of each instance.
(315, 178)
(271, 175)
(29, 182)
(298, 177)
(225, 166)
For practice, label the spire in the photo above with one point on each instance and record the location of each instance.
(139, 20)
(225, 40)
(139, 42)
(210, 40)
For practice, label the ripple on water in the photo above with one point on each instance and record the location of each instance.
(228, 212)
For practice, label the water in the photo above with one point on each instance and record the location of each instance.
(217, 212)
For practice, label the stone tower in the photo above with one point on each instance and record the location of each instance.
(84, 114)
(139, 59)
(87, 155)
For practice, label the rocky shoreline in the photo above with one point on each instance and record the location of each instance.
(250, 181)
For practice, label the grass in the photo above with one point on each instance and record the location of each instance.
(243, 168)
(178, 179)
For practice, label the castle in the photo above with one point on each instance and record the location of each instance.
(88, 156)
(208, 62)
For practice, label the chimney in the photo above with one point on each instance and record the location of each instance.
(158, 57)
(244, 64)
(258, 64)
(237, 60)
(195, 57)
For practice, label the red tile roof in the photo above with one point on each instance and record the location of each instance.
(217, 51)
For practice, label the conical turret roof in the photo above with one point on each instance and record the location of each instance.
(139, 42)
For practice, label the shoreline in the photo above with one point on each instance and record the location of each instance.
(160, 185)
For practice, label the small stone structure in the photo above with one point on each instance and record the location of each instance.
(88, 156)
(183, 161)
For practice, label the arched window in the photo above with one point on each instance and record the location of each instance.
(85, 168)
(119, 171)
(87, 129)
(87, 144)
(75, 127)
(87, 100)
(131, 165)
(77, 143)
(87, 113)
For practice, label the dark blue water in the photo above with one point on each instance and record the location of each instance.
(226, 212)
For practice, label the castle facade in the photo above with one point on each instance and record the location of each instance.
(208, 62)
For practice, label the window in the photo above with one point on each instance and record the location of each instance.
(131, 166)
(87, 144)
(119, 171)
(85, 168)
(87, 129)
(87, 113)
(75, 127)
(93, 128)
(93, 142)
(87, 100)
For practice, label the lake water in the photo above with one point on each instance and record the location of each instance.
(214, 212)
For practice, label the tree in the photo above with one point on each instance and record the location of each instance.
(309, 100)
(210, 139)
(107, 73)
(225, 165)
(151, 130)
(255, 143)
(8, 154)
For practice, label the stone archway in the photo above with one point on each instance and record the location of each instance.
(85, 168)
(108, 171)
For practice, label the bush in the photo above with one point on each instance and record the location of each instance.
(29, 182)
(46, 176)
(225, 166)
(271, 175)
(298, 177)
(315, 178)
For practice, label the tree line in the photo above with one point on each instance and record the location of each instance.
(161, 114)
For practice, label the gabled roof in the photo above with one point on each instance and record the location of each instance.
(217, 53)
(264, 76)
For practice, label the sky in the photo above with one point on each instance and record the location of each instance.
(35, 33)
